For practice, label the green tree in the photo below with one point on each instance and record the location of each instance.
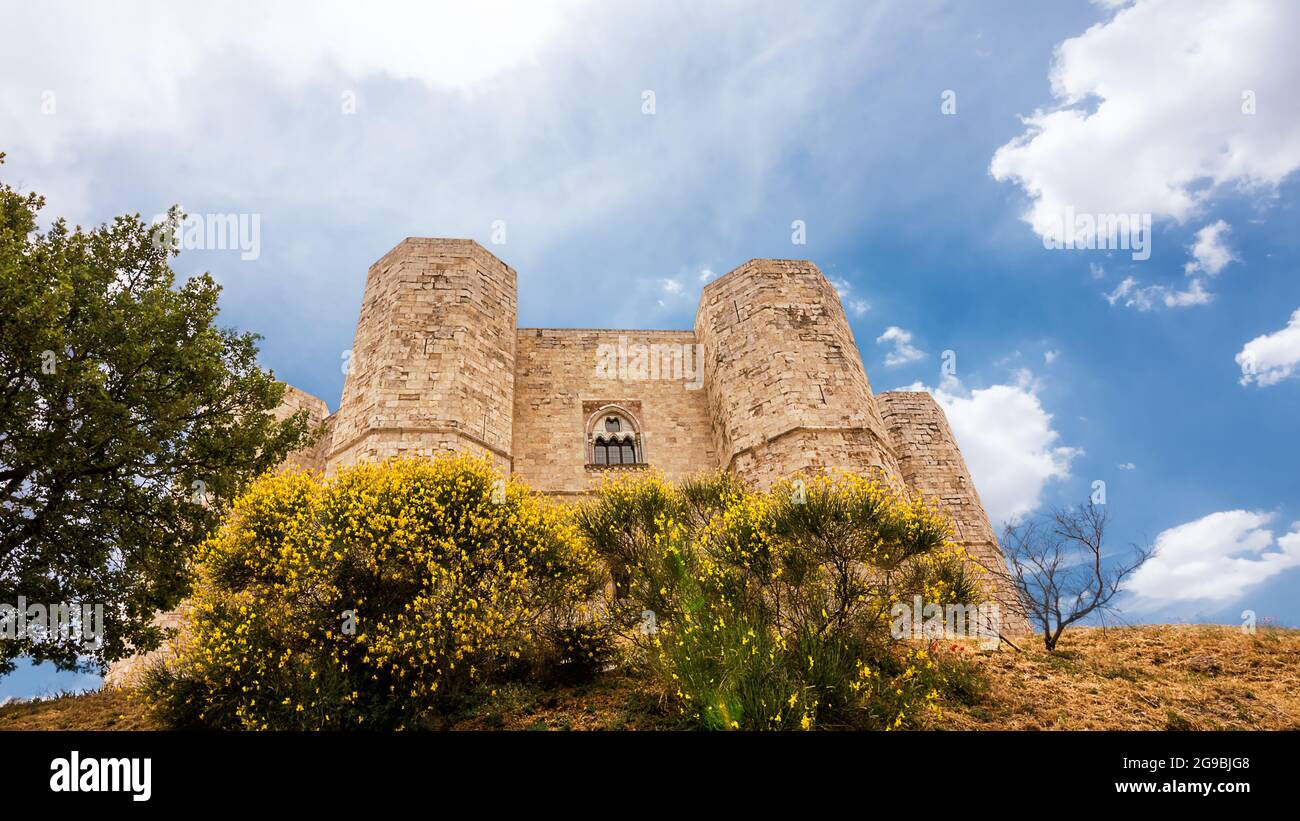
(127, 423)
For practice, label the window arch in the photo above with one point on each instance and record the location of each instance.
(613, 438)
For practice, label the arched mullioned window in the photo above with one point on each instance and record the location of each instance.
(613, 439)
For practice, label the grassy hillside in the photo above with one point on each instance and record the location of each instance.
(1155, 677)
(1138, 678)
(106, 710)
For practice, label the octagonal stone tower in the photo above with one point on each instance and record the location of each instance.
(930, 463)
(433, 364)
(786, 387)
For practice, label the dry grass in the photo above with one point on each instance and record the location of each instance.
(104, 710)
(615, 701)
(1154, 677)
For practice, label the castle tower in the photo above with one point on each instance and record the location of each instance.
(932, 465)
(786, 387)
(432, 368)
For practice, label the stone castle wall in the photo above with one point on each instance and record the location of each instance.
(433, 363)
(438, 364)
(561, 383)
(931, 464)
(786, 387)
(294, 400)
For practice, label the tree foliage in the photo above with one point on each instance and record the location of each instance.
(127, 422)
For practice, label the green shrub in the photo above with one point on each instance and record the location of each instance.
(772, 610)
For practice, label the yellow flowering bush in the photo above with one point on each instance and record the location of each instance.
(772, 610)
(375, 598)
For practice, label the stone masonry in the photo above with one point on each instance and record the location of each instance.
(930, 463)
(786, 387)
(433, 364)
(769, 383)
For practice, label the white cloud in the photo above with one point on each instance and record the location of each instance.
(1215, 558)
(843, 288)
(1008, 442)
(1152, 296)
(238, 108)
(1209, 256)
(1209, 253)
(1096, 270)
(1270, 358)
(1152, 112)
(1194, 295)
(706, 275)
(1127, 466)
(442, 44)
(149, 67)
(672, 287)
(903, 351)
(1050, 356)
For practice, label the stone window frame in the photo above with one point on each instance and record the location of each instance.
(630, 431)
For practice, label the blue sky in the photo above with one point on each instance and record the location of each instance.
(347, 127)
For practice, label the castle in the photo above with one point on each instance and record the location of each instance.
(769, 383)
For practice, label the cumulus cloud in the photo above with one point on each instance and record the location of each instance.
(1050, 356)
(1215, 558)
(1159, 107)
(1209, 253)
(1270, 358)
(903, 351)
(859, 306)
(1008, 442)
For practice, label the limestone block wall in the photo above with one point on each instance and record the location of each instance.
(433, 363)
(562, 379)
(932, 465)
(314, 456)
(126, 672)
(786, 387)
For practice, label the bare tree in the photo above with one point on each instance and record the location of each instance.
(1057, 566)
